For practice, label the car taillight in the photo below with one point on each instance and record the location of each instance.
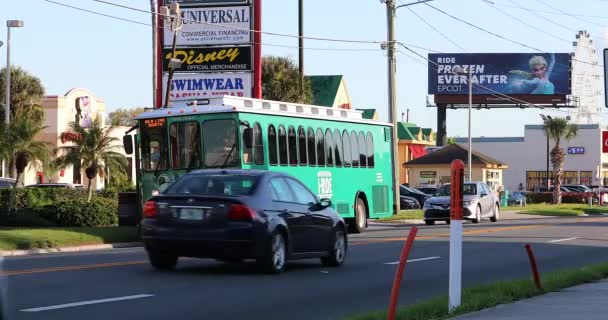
(150, 209)
(239, 212)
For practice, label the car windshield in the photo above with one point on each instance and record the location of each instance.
(223, 185)
(470, 189)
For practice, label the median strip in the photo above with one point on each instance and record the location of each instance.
(562, 240)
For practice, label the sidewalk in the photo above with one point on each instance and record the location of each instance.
(587, 301)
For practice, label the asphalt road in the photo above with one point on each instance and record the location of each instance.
(119, 284)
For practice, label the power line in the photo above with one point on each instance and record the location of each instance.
(523, 22)
(98, 13)
(244, 29)
(436, 30)
(518, 6)
(570, 15)
(497, 35)
(548, 12)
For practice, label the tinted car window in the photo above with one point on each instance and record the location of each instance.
(231, 185)
(469, 189)
(302, 194)
(281, 190)
(5, 184)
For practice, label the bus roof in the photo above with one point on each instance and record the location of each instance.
(249, 105)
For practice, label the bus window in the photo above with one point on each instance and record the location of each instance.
(312, 154)
(346, 143)
(293, 147)
(338, 148)
(302, 146)
(320, 148)
(220, 143)
(247, 152)
(329, 148)
(154, 144)
(185, 145)
(272, 145)
(282, 145)
(258, 144)
(354, 149)
(370, 150)
(362, 150)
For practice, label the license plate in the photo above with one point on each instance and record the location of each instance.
(191, 214)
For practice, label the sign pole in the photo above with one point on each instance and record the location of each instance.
(257, 49)
(456, 198)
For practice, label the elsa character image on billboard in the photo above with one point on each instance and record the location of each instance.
(537, 82)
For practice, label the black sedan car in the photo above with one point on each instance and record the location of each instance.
(420, 196)
(232, 215)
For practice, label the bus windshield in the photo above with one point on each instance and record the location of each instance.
(154, 144)
(220, 143)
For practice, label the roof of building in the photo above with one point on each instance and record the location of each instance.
(368, 113)
(410, 131)
(490, 139)
(324, 89)
(453, 152)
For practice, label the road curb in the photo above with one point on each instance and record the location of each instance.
(84, 248)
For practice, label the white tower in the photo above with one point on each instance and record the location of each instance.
(585, 80)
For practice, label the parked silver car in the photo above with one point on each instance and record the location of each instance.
(478, 201)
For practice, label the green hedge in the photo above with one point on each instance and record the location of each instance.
(37, 207)
(547, 197)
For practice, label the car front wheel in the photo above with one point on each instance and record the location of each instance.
(337, 253)
(496, 215)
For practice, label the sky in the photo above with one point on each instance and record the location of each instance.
(67, 48)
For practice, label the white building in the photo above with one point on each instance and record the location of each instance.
(526, 157)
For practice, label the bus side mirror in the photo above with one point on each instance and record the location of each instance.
(248, 138)
(127, 142)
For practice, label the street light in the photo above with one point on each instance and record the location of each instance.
(459, 70)
(545, 120)
(7, 106)
(389, 45)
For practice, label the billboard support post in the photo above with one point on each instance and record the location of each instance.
(257, 49)
(456, 199)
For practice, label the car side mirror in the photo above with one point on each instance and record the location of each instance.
(247, 138)
(127, 142)
(325, 202)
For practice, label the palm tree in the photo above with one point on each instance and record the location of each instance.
(558, 128)
(94, 148)
(281, 81)
(26, 93)
(20, 147)
(51, 168)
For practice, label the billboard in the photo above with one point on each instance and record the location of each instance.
(190, 3)
(188, 87)
(212, 26)
(532, 74)
(210, 59)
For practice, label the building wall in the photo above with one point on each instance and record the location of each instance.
(530, 153)
(443, 174)
(342, 97)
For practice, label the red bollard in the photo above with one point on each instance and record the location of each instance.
(399, 274)
(534, 267)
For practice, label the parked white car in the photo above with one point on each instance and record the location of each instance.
(479, 202)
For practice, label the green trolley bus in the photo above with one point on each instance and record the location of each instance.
(335, 152)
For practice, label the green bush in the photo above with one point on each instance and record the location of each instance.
(99, 212)
(28, 218)
(37, 197)
(547, 197)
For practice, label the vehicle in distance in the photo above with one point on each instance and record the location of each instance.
(478, 202)
(57, 186)
(233, 215)
(408, 203)
(427, 190)
(420, 196)
(7, 183)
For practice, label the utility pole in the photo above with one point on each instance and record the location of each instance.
(392, 99)
(407, 118)
(175, 23)
(154, 51)
(301, 43)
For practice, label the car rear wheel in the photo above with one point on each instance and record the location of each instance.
(337, 253)
(162, 261)
(429, 222)
(477, 215)
(274, 261)
(359, 224)
(496, 215)
(447, 221)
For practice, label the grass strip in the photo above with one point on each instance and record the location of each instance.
(43, 238)
(487, 296)
(405, 215)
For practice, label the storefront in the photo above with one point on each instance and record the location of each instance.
(584, 161)
(413, 141)
(77, 105)
(433, 169)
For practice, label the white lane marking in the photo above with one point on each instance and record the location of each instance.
(415, 260)
(560, 240)
(84, 303)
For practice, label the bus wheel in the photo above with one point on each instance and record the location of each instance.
(359, 223)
